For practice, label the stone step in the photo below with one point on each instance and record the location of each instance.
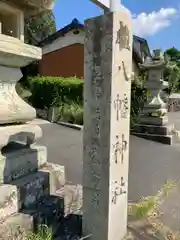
(25, 192)
(73, 198)
(8, 201)
(60, 212)
(153, 129)
(21, 133)
(16, 227)
(17, 161)
(168, 139)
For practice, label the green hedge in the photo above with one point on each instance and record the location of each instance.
(48, 91)
(67, 93)
(139, 95)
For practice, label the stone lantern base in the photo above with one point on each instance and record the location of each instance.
(26, 177)
(155, 128)
(163, 134)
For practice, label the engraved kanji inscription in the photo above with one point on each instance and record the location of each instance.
(94, 165)
(117, 149)
(97, 83)
(126, 75)
(120, 147)
(123, 37)
(96, 127)
(121, 107)
(96, 121)
(96, 198)
(118, 189)
(117, 106)
(95, 176)
(93, 154)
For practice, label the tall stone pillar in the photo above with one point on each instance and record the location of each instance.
(107, 87)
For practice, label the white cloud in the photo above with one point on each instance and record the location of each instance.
(148, 24)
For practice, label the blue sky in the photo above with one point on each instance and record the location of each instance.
(156, 20)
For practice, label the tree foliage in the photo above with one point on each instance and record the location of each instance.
(139, 95)
(172, 71)
(39, 27)
(173, 54)
(172, 75)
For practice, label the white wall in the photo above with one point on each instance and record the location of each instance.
(70, 39)
(64, 41)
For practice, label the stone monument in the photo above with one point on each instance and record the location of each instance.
(25, 175)
(153, 120)
(107, 87)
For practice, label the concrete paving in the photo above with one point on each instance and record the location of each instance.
(151, 164)
(65, 148)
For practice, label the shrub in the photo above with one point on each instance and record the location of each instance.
(148, 211)
(139, 96)
(172, 76)
(72, 113)
(43, 233)
(48, 91)
(67, 94)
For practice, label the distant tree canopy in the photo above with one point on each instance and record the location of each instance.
(174, 54)
(172, 71)
(39, 27)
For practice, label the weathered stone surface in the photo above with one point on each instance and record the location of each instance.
(16, 227)
(57, 176)
(73, 198)
(165, 134)
(165, 139)
(49, 210)
(21, 161)
(174, 102)
(25, 133)
(45, 182)
(107, 87)
(27, 191)
(170, 139)
(8, 201)
(13, 108)
(15, 53)
(32, 6)
(153, 129)
(153, 119)
(12, 21)
(155, 108)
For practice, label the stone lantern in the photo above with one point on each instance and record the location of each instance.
(25, 174)
(153, 120)
(155, 111)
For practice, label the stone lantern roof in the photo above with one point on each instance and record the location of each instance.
(151, 62)
(31, 7)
